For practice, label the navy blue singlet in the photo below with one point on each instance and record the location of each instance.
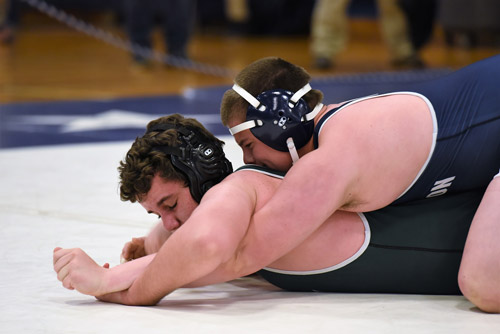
(466, 155)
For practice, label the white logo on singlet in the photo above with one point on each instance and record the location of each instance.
(441, 187)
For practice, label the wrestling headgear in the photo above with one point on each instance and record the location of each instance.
(202, 160)
(279, 118)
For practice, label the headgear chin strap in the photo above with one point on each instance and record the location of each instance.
(279, 118)
(202, 160)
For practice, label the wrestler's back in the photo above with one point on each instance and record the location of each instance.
(467, 153)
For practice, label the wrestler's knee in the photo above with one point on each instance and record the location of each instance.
(477, 290)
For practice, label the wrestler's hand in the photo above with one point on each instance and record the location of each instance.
(134, 249)
(150, 244)
(77, 271)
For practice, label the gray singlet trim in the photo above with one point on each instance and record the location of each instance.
(344, 263)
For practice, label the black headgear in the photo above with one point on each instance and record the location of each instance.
(202, 160)
(277, 115)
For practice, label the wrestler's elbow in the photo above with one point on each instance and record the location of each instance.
(245, 262)
(151, 300)
(143, 302)
(213, 249)
(479, 291)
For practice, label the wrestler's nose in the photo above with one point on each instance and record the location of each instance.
(169, 221)
(248, 157)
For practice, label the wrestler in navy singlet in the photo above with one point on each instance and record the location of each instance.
(409, 248)
(467, 150)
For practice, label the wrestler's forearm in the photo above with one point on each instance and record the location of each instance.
(122, 276)
(167, 273)
(188, 257)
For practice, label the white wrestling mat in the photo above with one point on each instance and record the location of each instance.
(68, 196)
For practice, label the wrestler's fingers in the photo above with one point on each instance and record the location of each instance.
(60, 252)
(132, 250)
(56, 254)
(139, 250)
(63, 260)
(67, 283)
(62, 273)
(124, 256)
(128, 250)
(134, 255)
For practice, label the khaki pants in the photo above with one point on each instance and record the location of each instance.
(329, 28)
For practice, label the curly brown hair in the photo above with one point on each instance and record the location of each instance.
(262, 75)
(143, 162)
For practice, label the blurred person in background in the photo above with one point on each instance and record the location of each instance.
(329, 33)
(420, 15)
(10, 21)
(176, 17)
